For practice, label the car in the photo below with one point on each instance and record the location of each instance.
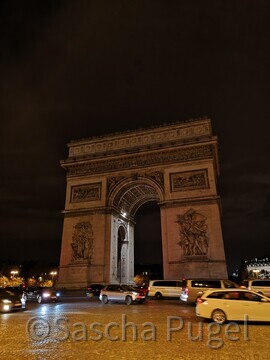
(9, 301)
(41, 294)
(165, 288)
(194, 288)
(94, 290)
(223, 305)
(260, 286)
(15, 289)
(143, 289)
(121, 293)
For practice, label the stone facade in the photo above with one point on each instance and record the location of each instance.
(110, 177)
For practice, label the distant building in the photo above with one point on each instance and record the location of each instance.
(258, 268)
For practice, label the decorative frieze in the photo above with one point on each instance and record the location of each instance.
(140, 161)
(139, 139)
(83, 193)
(189, 180)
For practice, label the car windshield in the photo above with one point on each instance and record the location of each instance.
(7, 292)
(228, 284)
(127, 288)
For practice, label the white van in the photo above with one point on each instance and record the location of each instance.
(193, 288)
(260, 286)
(164, 288)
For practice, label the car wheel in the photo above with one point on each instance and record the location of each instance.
(158, 295)
(39, 299)
(219, 316)
(104, 299)
(128, 300)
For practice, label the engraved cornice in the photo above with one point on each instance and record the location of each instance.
(194, 201)
(140, 139)
(169, 156)
(84, 211)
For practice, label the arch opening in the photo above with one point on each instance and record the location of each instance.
(148, 257)
(132, 200)
(121, 236)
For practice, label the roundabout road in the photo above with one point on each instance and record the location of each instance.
(80, 328)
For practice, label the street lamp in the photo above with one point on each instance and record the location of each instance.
(14, 273)
(53, 273)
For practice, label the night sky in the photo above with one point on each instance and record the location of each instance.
(77, 69)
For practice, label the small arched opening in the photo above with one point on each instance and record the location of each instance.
(120, 256)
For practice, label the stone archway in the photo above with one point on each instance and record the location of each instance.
(110, 177)
(125, 196)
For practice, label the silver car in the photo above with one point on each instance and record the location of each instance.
(123, 293)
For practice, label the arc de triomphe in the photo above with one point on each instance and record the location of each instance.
(110, 177)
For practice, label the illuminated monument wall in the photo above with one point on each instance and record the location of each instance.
(110, 177)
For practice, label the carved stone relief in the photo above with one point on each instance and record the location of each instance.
(113, 181)
(193, 234)
(189, 180)
(89, 192)
(157, 177)
(82, 242)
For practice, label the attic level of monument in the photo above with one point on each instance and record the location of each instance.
(139, 140)
(110, 177)
(167, 144)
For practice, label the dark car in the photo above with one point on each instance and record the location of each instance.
(41, 294)
(118, 293)
(15, 289)
(9, 301)
(94, 290)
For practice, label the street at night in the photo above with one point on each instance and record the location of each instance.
(79, 328)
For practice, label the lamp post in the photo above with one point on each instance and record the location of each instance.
(53, 273)
(14, 273)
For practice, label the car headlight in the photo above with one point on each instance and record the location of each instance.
(58, 294)
(134, 293)
(46, 295)
(6, 301)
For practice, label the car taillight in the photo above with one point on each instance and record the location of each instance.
(200, 300)
(185, 289)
